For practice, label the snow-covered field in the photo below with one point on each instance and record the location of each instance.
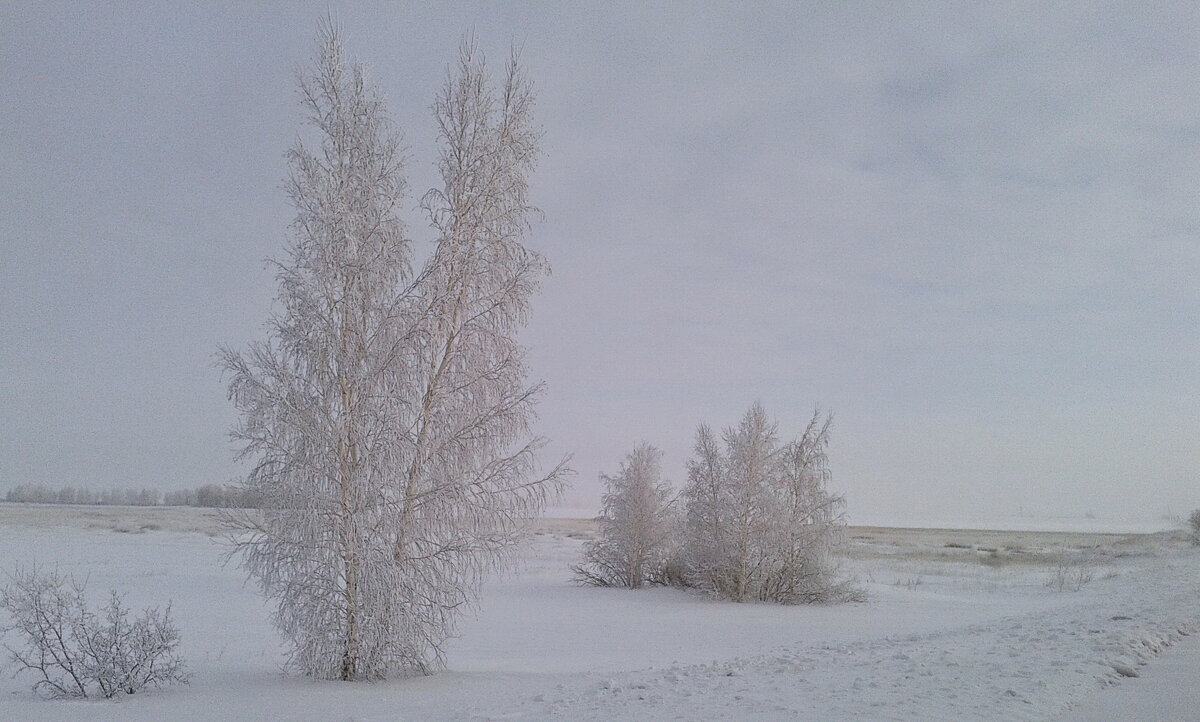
(959, 624)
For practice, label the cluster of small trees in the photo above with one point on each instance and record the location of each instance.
(223, 496)
(756, 520)
(209, 495)
(41, 494)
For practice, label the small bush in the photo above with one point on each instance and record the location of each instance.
(992, 559)
(78, 652)
(1070, 575)
(1194, 523)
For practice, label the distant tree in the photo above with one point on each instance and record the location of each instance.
(760, 523)
(210, 495)
(29, 494)
(1194, 523)
(388, 415)
(80, 495)
(181, 497)
(635, 526)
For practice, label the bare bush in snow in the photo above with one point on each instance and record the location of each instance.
(78, 652)
(1194, 523)
(760, 521)
(388, 413)
(1070, 574)
(636, 526)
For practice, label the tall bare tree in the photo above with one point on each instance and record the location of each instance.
(387, 415)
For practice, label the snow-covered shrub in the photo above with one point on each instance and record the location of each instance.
(1194, 523)
(1071, 574)
(760, 521)
(635, 535)
(78, 652)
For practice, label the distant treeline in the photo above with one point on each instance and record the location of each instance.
(211, 495)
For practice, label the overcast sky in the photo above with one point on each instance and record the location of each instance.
(971, 230)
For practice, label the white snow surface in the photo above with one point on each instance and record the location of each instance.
(1167, 691)
(951, 630)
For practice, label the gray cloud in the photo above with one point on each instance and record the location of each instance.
(970, 231)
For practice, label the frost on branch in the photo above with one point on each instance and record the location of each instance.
(78, 652)
(636, 526)
(387, 416)
(760, 522)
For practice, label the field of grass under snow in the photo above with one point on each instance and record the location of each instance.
(957, 624)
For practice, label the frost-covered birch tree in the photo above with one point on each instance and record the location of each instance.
(387, 415)
(729, 499)
(635, 526)
(760, 522)
(707, 514)
(472, 476)
(809, 523)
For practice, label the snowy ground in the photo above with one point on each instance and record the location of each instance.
(959, 625)
(1167, 692)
